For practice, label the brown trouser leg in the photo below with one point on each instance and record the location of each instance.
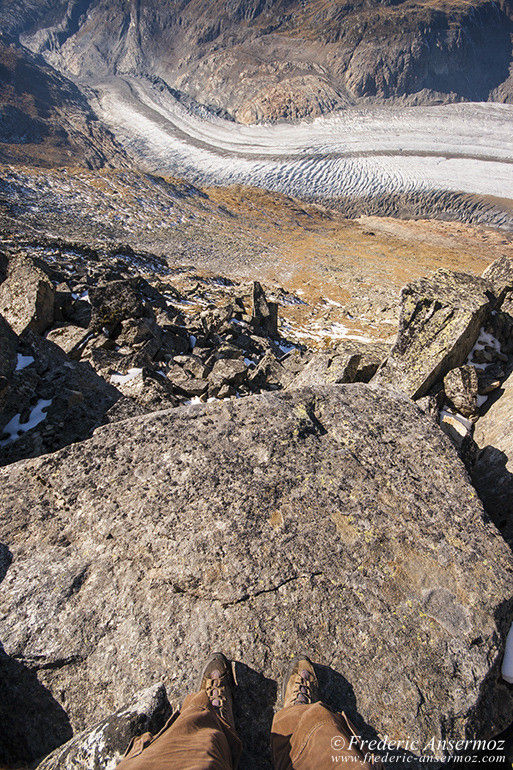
(311, 737)
(195, 739)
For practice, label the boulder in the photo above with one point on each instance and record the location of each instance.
(103, 746)
(439, 324)
(184, 384)
(270, 374)
(71, 339)
(328, 367)
(27, 296)
(149, 389)
(192, 365)
(500, 275)
(115, 302)
(226, 371)
(339, 520)
(493, 472)
(372, 355)
(264, 313)
(461, 389)
(136, 332)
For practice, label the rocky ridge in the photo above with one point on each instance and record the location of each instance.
(93, 336)
(121, 339)
(311, 440)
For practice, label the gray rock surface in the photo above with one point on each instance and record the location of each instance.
(372, 355)
(461, 388)
(27, 296)
(328, 368)
(500, 275)
(115, 302)
(103, 746)
(493, 473)
(439, 323)
(323, 519)
(72, 339)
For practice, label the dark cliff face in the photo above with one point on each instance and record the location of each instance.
(45, 118)
(273, 59)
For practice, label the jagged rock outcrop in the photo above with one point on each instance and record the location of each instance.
(321, 518)
(116, 336)
(440, 321)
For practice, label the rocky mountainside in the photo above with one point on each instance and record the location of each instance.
(45, 118)
(184, 440)
(266, 60)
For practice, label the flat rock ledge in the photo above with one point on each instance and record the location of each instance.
(338, 519)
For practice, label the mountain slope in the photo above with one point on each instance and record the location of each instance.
(275, 59)
(45, 118)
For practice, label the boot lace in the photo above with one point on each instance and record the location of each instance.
(302, 692)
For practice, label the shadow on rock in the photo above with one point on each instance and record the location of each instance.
(5, 560)
(494, 689)
(253, 712)
(494, 484)
(33, 723)
(338, 693)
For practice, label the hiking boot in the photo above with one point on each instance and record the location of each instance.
(218, 682)
(300, 684)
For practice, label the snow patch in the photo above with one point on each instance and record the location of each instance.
(121, 379)
(15, 428)
(23, 361)
(482, 341)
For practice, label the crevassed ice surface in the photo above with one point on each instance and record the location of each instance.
(460, 147)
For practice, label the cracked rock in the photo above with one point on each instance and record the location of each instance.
(440, 321)
(321, 518)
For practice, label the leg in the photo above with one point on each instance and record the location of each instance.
(198, 739)
(201, 737)
(311, 737)
(306, 734)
